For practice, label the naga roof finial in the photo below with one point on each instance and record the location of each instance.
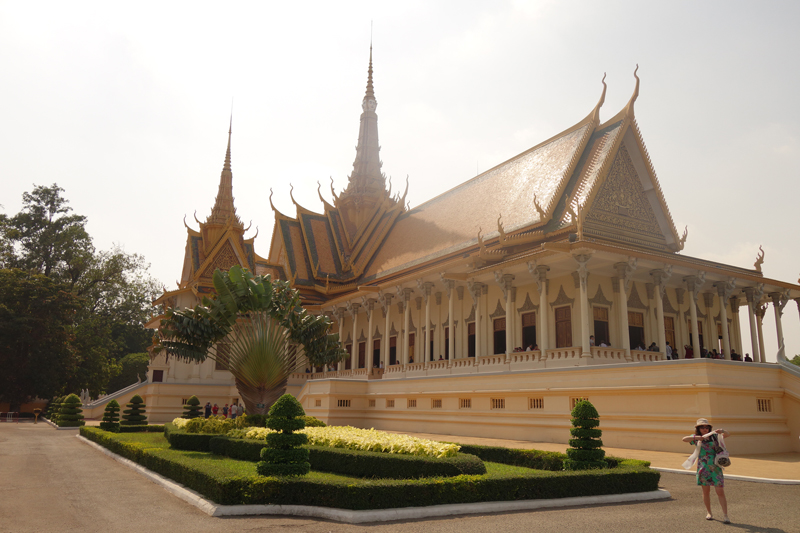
(635, 90)
(602, 99)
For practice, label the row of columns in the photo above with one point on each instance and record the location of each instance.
(624, 270)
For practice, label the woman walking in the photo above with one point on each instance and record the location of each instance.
(709, 474)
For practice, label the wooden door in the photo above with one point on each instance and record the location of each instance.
(669, 330)
(471, 339)
(362, 354)
(563, 327)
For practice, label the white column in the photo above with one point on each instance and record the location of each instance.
(340, 318)
(405, 294)
(475, 289)
(369, 355)
(660, 285)
(625, 273)
(693, 283)
(750, 293)
(779, 301)
(425, 288)
(449, 286)
(711, 336)
(540, 275)
(353, 309)
(583, 275)
(736, 333)
(724, 290)
(506, 283)
(386, 302)
(760, 311)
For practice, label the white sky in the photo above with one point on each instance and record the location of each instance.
(126, 107)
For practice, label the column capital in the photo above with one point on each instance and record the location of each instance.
(779, 300)
(352, 308)
(734, 300)
(695, 283)
(385, 299)
(539, 273)
(506, 281)
(660, 277)
(708, 299)
(583, 272)
(339, 313)
(475, 289)
(754, 294)
(368, 303)
(404, 293)
(725, 288)
(449, 285)
(625, 270)
(425, 287)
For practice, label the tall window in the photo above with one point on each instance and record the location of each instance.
(499, 335)
(471, 339)
(636, 330)
(601, 326)
(411, 340)
(393, 350)
(447, 343)
(362, 354)
(669, 330)
(376, 353)
(563, 327)
(348, 362)
(430, 345)
(528, 330)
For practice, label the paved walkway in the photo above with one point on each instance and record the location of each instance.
(51, 482)
(773, 466)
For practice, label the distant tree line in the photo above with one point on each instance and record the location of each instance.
(71, 316)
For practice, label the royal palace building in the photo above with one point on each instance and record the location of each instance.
(490, 309)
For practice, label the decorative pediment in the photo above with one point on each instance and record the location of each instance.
(223, 260)
(527, 305)
(377, 334)
(634, 301)
(621, 210)
(446, 322)
(498, 311)
(561, 299)
(362, 338)
(393, 332)
(600, 298)
(349, 339)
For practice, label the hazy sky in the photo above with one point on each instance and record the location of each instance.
(126, 106)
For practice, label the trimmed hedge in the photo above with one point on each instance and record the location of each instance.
(359, 463)
(536, 459)
(142, 429)
(225, 489)
(181, 440)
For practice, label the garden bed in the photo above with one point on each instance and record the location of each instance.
(230, 482)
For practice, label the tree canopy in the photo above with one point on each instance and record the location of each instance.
(46, 246)
(266, 332)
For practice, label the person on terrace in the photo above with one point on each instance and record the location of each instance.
(747, 358)
(709, 474)
(689, 351)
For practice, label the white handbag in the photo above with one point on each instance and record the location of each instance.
(723, 458)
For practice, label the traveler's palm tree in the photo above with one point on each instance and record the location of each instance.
(267, 335)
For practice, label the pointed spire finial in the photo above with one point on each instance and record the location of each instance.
(224, 211)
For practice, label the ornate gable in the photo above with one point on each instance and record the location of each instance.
(621, 211)
(223, 260)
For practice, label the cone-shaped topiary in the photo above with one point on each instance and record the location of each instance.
(283, 455)
(192, 408)
(134, 414)
(585, 450)
(111, 417)
(52, 409)
(70, 415)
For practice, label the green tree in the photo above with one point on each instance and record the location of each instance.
(585, 449)
(113, 287)
(134, 415)
(37, 352)
(795, 360)
(268, 333)
(111, 417)
(192, 408)
(133, 367)
(70, 415)
(283, 455)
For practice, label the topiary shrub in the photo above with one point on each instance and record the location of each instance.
(283, 455)
(134, 414)
(585, 449)
(192, 408)
(70, 414)
(53, 408)
(312, 422)
(218, 425)
(111, 417)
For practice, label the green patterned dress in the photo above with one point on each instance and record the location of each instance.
(707, 472)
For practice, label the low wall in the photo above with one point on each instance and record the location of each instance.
(648, 405)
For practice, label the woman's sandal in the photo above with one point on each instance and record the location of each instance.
(725, 519)
(709, 517)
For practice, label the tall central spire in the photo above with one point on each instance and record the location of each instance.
(366, 178)
(224, 210)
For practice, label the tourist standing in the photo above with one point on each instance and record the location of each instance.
(208, 409)
(669, 352)
(709, 474)
(215, 410)
(234, 411)
(225, 411)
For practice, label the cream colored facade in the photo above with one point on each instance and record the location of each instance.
(569, 242)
